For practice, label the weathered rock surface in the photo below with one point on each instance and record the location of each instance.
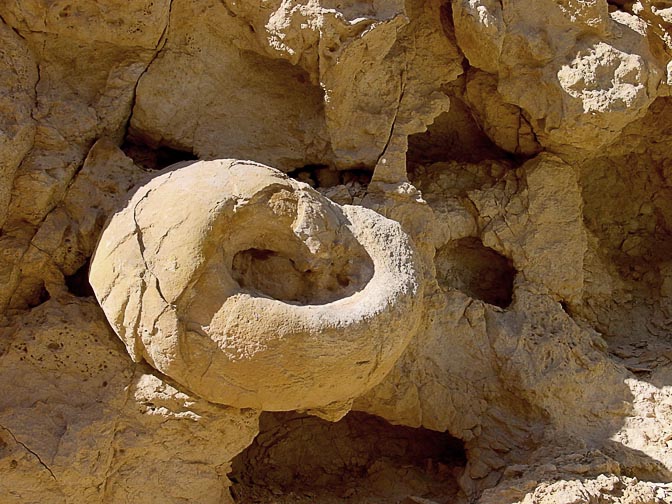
(577, 72)
(84, 424)
(256, 291)
(483, 261)
(17, 127)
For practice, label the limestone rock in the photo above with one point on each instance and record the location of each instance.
(505, 179)
(97, 428)
(604, 488)
(62, 245)
(471, 318)
(73, 110)
(579, 74)
(361, 72)
(255, 291)
(480, 28)
(17, 128)
(547, 206)
(138, 23)
(239, 94)
(505, 123)
(88, 63)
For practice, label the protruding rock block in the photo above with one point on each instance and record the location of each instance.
(253, 290)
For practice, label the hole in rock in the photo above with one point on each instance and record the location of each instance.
(156, 158)
(453, 136)
(480, 272)
(288, 277)
(323, 176)
(41, 295)
(308, 173)
(345, 187)
(361, 458)
(624, 5)
(78, 283)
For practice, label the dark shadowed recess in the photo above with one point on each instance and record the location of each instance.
(624, 5)
(282, 274)
(476, 270)
(78, 283)
(41, 296)
(323, 176)
(297, 456)
(154, 158)
(453, 136)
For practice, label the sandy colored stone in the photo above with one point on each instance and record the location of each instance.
(540, 228)
(240, 94)
(138, 23)
(568, 363)
(98, 428)
(604, 488)
(479, 27)
(17, 128)
(66, 239)
(523, 150)
(579, 74)
(255, 291)
(88, 63)
(84, 90)
(359, 75)
(506, 124)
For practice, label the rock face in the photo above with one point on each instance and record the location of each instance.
(578, 78)
(254, 290)
(97, 428)
(449, 221)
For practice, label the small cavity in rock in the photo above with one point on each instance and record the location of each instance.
(478, 271)
(361, 457)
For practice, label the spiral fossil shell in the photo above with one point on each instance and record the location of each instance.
(253, 290)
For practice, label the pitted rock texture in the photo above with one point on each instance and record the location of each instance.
(521, 149)
(255, 291)
(577, 78)
(108, 430)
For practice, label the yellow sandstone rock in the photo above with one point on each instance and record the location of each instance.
(255, 291)
(465, 242)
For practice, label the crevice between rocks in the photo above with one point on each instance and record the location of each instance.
(78, 283)
(153, 158)
(402, 91)
(157, 51)
(476, 270)
(361, 458)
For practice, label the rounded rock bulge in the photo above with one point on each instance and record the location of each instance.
(253, 290)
